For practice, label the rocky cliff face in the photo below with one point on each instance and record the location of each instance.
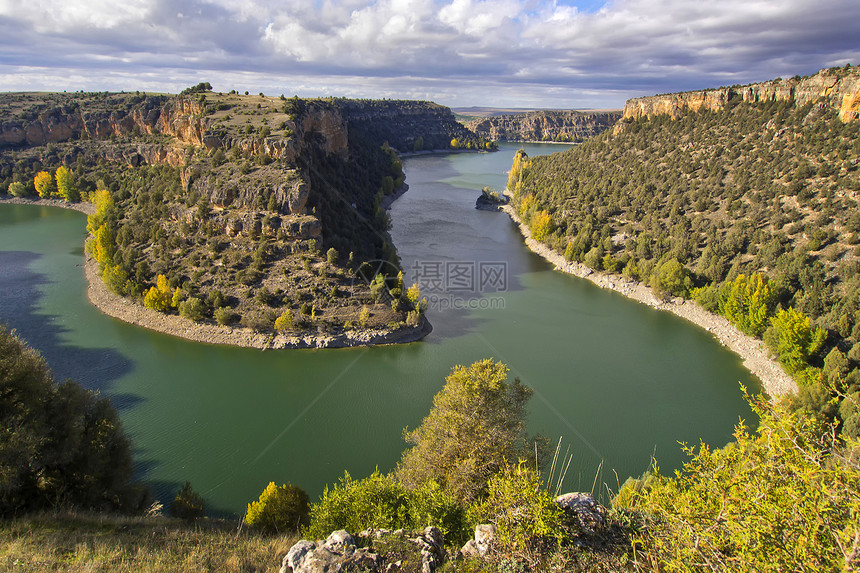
(545, 125)
(837, 87)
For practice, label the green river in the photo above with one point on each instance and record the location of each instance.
(617, 380)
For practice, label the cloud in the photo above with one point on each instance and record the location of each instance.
(531, 52)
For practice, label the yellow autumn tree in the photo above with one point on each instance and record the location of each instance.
(158, 297)
(541, 225)
(44, 184)
(66, 184)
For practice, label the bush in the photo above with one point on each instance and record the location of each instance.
(285, 321)
(279, 509)
(776, 498)
(188, 504)
(193, 308)
(331, 256)
(377, 501)
(224, 316)
(527, 519)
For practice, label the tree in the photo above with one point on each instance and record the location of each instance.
(60, 445)
(455, 144)
(279, 509)
(188, 504)
(793, 339)
(747, 301)
(44, 184)
(541, 225)
(475, 428)
(66, 184)
(17, 189)
(158, 297)
(672, 277)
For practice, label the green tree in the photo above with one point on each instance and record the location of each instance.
(672, 277)
(44, 184)
(17, 189)
(747, 302)
(188, 504)
(279, 509)
(475, 428)
(792, 338)
(60, 445)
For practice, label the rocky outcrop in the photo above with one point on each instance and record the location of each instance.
(837, 87)
(339, 552)
(545, 125)
(176, 117)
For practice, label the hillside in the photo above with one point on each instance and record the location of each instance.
(744, 198)
(251, 208)
(545, 125)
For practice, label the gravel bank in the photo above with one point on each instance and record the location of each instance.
(755, 355)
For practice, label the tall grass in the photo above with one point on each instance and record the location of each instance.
(80, 542)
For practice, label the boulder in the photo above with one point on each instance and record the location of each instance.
(337, 553)
(584, 510)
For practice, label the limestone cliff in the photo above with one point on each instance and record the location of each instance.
(837, 87)
(545, 125)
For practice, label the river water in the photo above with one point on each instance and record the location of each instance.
(617, 380)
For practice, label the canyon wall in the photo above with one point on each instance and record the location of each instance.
(837, 87)
(545, 125)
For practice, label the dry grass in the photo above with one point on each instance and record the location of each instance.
(89, 543)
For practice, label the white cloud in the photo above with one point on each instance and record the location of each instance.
(536, 49)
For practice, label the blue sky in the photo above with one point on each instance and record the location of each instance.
(502, 53)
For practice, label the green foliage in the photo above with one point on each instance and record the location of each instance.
(224, 316)
(525, 514)
(279, 509)
(774, 500)
(331, 256)
(792, 338)
(378, 501)
(61, 446)
(193, 308)
(747, 302)
(475, 428)
(673, 278)
(188, 504)
(17, 189)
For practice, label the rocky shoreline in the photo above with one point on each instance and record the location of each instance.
(755, 355)
(133, 313)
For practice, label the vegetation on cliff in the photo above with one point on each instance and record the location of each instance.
(231, 208)
(751, 210)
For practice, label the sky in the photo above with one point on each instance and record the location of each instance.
(566, 54)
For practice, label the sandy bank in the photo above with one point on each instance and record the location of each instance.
(84, 207)
(754, 353)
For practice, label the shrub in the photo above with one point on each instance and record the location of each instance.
(285, 321)
(188, 504)
(224, 316)
(193, 308)
(279, 509)
(331, 256)
(377, 501)
(17, 189)
(525, 514)
(775, 499)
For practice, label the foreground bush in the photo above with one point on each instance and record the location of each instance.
(785, 498)
(279, 509)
